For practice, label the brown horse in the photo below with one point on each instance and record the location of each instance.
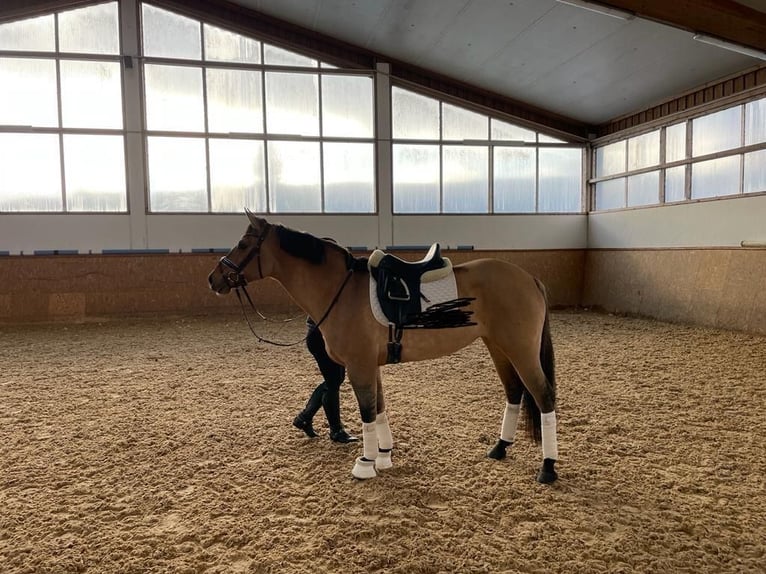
(510, 314)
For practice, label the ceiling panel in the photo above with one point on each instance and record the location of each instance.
(577, 63)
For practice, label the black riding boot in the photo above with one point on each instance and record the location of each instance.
(331, 404)
(305, 418)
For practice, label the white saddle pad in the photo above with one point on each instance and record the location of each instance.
(439, 291)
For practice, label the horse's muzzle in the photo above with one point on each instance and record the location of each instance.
(218, 283)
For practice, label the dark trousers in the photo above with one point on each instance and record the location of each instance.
(327, 393)
(332, 373)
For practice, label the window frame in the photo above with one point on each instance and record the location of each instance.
(318, 71)
(57, 56)
(490, 144)
(687, 162)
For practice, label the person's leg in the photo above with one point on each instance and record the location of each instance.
(304, 419)
(333, 374)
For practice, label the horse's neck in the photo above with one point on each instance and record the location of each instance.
(312, 286)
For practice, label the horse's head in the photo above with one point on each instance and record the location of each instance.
(238, 266)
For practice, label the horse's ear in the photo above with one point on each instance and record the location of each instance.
(256, 222)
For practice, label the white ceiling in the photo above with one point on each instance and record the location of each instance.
(580, 64)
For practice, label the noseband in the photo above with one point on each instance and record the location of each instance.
(235, 277)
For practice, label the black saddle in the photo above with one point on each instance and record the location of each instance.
(399, 281)
(399, 295)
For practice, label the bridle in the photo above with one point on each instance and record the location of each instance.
(235, 279)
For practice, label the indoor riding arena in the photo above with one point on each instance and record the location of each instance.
(184, 183)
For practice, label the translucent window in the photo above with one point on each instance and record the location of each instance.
(91, 94)
(560, 180)
(510, 132)
(755, 122)
(675, 184)
(292, 104)
(644, 189)
(28, 93)
(347, 106)
(610, 194)
(715, 177)
(610, 159)
(93, 30)
(414, 116)
(349, 177)
(280, 57)
(174, 98)
(644, 150)
(177, 174)
(170, 35)
(675, 142)
(30, 172)
(755, 172)
(465, 179)
(416, 178)
(237, 177)
(717, 132)
(224, 46)
(515, 171)
(95, 173)
(234, 101)
(30, 35)
(294, 177)
(461, 124)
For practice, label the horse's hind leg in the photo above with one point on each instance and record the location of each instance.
(539, 403)
(525, 375)
(514, 389)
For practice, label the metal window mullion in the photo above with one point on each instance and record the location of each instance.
(205, 122)
(59, 112)
(490, 168)
(689, 150)
(587, 199)
(491, 179)
(742, 140)
(663, 146)
(206, 127)
(441, 157)
(625, 171)
(321, 144)
(537, 179)
(264, 128)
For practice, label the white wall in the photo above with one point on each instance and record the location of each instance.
(714, 223)
(29, 232)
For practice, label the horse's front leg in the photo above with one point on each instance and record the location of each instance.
(365, 385)
(383, 430)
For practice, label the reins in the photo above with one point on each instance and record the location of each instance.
(278, 343)
(236, 281)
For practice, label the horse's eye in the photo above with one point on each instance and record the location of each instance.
(242, 244)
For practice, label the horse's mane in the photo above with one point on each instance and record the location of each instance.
(301, 244)
(314, 250)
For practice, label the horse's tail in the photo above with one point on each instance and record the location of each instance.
(548, 363)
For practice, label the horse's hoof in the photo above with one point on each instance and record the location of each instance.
(547, 473)
(383, 461)
(364, 469)
(498, 451)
